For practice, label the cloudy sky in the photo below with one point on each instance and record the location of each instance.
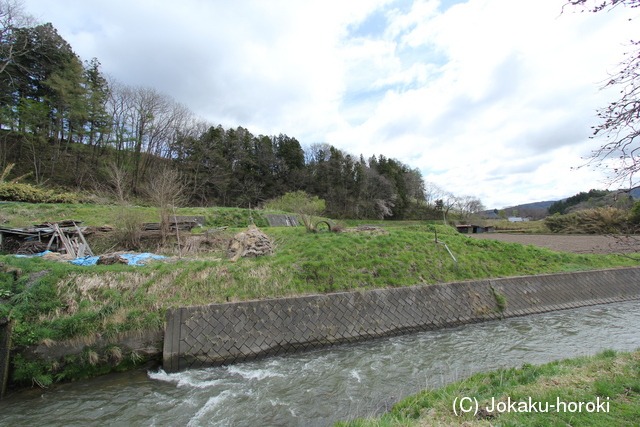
(493, 98)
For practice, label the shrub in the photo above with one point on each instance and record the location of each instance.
(634, 215)
(559, 223)
(17, 192)
(301, 203)
(589, 221)
(129, 228)
(601, 221)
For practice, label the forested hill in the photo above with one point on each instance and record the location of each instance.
(63, 123)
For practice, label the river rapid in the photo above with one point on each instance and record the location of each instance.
(320, 387)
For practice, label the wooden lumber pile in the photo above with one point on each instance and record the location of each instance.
(180, 225)
(67, 223)
(71, 242)
(92, 229)
(31, 247)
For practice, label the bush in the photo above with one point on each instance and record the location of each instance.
(17, 192)
(602, 221)
(589, 221)
(301, 203)
(634, 215)
(559, 223)
(129, 228)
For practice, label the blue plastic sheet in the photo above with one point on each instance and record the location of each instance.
(134, 259)
(34, 255)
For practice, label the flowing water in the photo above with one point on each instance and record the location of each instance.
(324, 386)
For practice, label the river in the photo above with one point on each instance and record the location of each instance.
(320, 387)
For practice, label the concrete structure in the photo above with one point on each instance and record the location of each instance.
(470, 228)
(226, 333)
(276, 220)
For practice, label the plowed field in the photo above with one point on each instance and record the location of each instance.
(577, 244)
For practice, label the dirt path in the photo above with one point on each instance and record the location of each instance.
(577, 244)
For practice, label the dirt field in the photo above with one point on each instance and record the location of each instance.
(577, 244)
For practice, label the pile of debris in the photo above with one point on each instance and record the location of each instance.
(63, 236)
(173, 225)
(249, 244)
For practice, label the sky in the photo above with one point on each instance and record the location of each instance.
(491, 98)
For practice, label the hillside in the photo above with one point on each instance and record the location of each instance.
(534, 205)
(580, 201)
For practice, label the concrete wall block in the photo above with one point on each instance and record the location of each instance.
(226, 333)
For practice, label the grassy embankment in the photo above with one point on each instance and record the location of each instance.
(610, 380)
(78, 302)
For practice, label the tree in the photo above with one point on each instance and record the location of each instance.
(166, 191)
(620, 120)
(98, 120)
(12, 17)
(301, 203)
(469, 206)
(445, 203)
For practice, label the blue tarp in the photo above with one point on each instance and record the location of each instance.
(31, 256)
(134, 259)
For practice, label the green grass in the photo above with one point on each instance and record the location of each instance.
(72, 301)
(27, 214)
(75, 302)
(608, 377)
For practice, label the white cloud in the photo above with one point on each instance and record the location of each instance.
(520, 82)
(494, 97)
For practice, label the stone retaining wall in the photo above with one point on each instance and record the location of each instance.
(226, 333)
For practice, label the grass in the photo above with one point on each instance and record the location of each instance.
(27, 214)
(610, 379)
(72, 301)
(529, 227)
(79, 302)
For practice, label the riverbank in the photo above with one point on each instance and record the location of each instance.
(321, 387)
(586, 391)
(52, 303)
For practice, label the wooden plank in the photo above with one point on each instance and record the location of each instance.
(53, 236)
(84, 241)
(65, 241)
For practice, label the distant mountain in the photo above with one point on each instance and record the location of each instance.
(535, 210)
(534, 205)
(538, 210)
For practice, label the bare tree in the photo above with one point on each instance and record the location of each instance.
(620, 120)
(119, 178)
(12, 17)
(468, 206)
(445, 203)
(146, 126)
(432, 193)
(166, 191)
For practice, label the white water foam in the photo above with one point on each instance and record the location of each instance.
(212, 402)
(183, 379)
(253, 374)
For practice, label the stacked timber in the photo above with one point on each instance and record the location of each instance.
(180, 225)
(73, 244)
